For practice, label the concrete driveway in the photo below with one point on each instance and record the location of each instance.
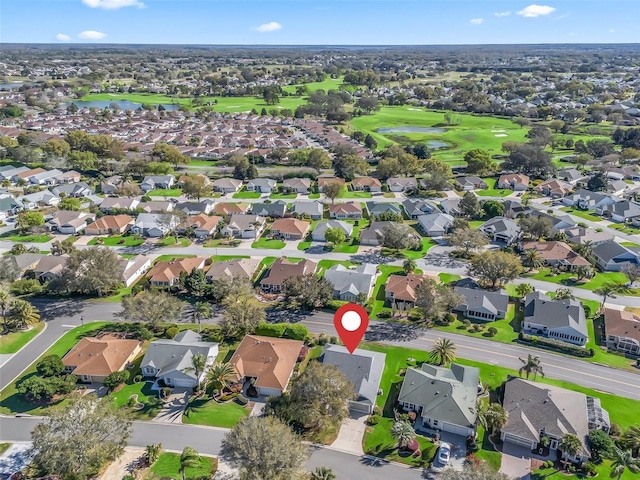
(351, 433)
(516, 462)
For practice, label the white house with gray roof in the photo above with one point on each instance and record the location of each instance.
(611, 256)
(435, 224)
(414, 207)
(262, 185)
(562, 320)
(321, 228)
(154, 224)
(275, 209)
(151, 182)
(444, 398)
(227, 185)
(501, 229)
(348, 283)
(482, 304)
(313, 209)
(170, 359)
(363, 368)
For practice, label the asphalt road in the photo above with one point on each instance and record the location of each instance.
(207, 440)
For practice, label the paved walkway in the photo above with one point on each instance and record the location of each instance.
(350, 435)
(174, 406)
(124, 465)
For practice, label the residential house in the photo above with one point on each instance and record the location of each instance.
(170, 360)
(156, 206)
(366, 184)
(444, 398)
(468, 184)
(557, 254)
(67, 222)
(73, 190)
(627, 172)
(372, 235)
(154, 225)
(349, 283)
(261, 185)
(588, 200)
(109, 185)
(47, 177)
(559, 222)
(194, 208)
(622, 331)
(375, 209)
(204, 225)
(36, 200)
(151, 182)
(570, 175)
(184, 178)
(581, 235)
(92, 359)
(289, 229)
(435, 224)
(110, 225)
(402, 184)
(515, 209)
(227, 185)
(50, 267)
(482, 304)
(282, 269)
(134, 268)
(554, 188)
(227, 209)
(166, 273)
(400, 290)
(313, 209)
(298, 185)
(414, 208)
(273, 210)
(324, 181)
(9, 206)
(616, 187)
(118, 203)
(611, 256)
(536, 410)
(244, 226)
(451, 206)
(562, 320)
(318, 234)
(266, 361)
(513, 181)
(11, 173)
(236, 267)
(21, 264)
(363, 369)
(622, 212)
(345, 211)
(501, 229)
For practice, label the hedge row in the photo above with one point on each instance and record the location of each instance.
(293, 331)
(557, 345)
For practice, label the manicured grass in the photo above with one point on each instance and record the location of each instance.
(117, 241)
(12, 402)
(581, 213)
(313, 196)
(603, 469)
(600, 279)
(448, 277)
(152, 404)
(171, 242)
(214, 414)
(304, 245)
(508, 327)
(426, 243)
(475, 223)
(346, 193)
(487, 452)
(221, 243)
(222, 258)
(116, 297)
(630, 244)
(168, 466)
(491, 190)
(326, 85)
(624, 228)
(273, 244)
(244, 194)
(14, 341)
(43, 238)
(389, 195)
(168, 258)
(165, 192)
(378, 296)
(326, 264)
(144, 98)
(283, 196)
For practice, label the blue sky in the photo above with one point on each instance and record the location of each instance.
(295, 22)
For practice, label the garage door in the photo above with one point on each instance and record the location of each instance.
(457, 429)
(517, 440)
(183, 382)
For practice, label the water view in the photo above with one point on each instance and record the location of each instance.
(11, 85)
(122, 104)
(437, 144)
(411, 130)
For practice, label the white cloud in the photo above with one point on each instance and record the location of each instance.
(502, 14)
(63, 37)
(91, 35)
(612, 31)
(113, 4)
(476, 21)
(268, 27)
(533, 11)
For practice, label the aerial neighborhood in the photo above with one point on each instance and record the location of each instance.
(187, 242)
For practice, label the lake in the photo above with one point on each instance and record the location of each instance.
(10, 86)
(437, 144)
(123, 104)
(411, 130)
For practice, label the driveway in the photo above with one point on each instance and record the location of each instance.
(174, 406)
(516, 462)
(351, 432)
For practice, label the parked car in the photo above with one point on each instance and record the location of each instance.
(444, 453)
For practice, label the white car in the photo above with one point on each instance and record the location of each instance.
(444, 453)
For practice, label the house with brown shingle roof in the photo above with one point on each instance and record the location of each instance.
(167, 273)
(226, 209)
(204, 225)
(557, 253)
(94, 358)
(513, 181)
(366, 184)
(346, 210)
(282, 269)
(401, 290)
(324, 181)
(622, 331)
(554, 188)
(290, 228)
(227, 185)
(236, 267)
(270, 361)
(109, 225)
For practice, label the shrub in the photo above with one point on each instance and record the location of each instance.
(133, 400)
(166, 391)
(466, 322)
(137, 378)
(334, 304)
(50, 366)
(377, 410)
(171, 332)
(477, 327)
(415, 316)
(492, 331)
(384, 314)
(43, 388)
(557, 345)
(296, 331)
(228, 396)
(115, 379)
(241, 399)
(271, 329)
(373, 419)
(448, 319)
(26, 287)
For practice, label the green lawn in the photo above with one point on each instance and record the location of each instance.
(448, 277)
(221, 243)
(14, 341)
(326, 85)
(168, 258)
(283, 196)
(508, 327)
(326, 264)
(116, 297)
(304, 245)
(273, 244)
(43, 238)
(165, 192)
(214, 414)
(624, 228)
(630, 244)
(491, 191)
(314, 196)
(117, 241)
(168, 466)
(244, 194)
(152, 404)
(346, 193)
(377, 299)
(426, 243)
(487, 451)
(4, 447)
(171, 242)
(603, 469)
(600, 279)
(12, 402)
(222, 258)
(582, 214)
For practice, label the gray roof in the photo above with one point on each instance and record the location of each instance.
(153, 220)
(625, 209)
(534, 406)
(541, 309)
(363, 369)
(435, 222)
(376, 208)
(446, 394)
(374, 231)
(262, 182)
(351, 280)
(588, 195)
(451, 204)
(607, 251)
(501, 225)
(275, 209)
(476, 299)
(556, 219)
(71, 188)
(171, 355)
(311, 208)
(569, 174)
(9, 203)
(415, 207)
(323, 226)
(616, 185)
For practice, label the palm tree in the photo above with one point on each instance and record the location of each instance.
(4, 305)
(323, 473)
(531, 365)
(584, 272)
(221, 375)
(409, 265)
(404, 433)
(524, 288)
(188, 459)
(493, 417)
(533, 259)
(152, 452)
(564, 294)
(198, 365)
(586, 250)
(631, 438)
(444, 351)
(201, 310)
(623, 460)
(22, 314)
(608, 290)
(570, 445)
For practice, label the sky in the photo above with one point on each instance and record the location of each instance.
(312, 22)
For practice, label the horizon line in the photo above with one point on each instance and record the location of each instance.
(281, 45)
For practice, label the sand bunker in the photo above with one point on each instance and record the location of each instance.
(498, 131)
(501, 135)
(414, 109)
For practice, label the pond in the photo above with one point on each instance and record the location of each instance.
(437, 144)
(123, 104)
(411, 130)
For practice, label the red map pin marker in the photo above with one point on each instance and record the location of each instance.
(351, 322)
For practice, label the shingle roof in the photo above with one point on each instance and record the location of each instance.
(244, 267)
(541, 309)
(354, 281)
(100, 356)
(476, 299)
(621, 323)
